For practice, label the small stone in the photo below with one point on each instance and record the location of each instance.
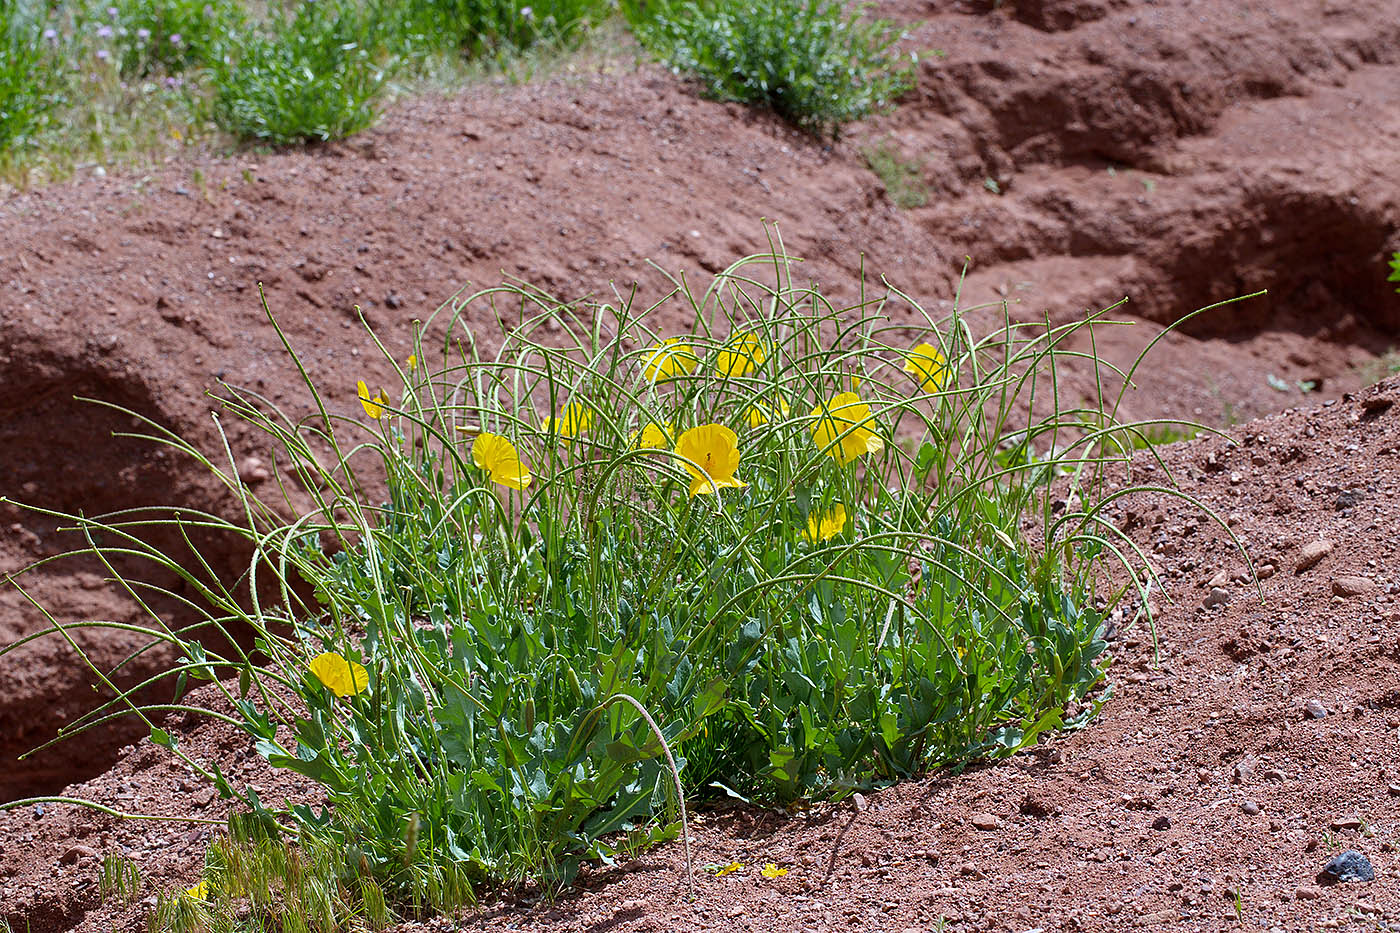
(1377, 404)
(986, 821)
(1244, 770)
(860, 801)
(1266, 571)
(1218, 597)
(1394, 790)
(1307, 892)
(1162, 823)
(1250, 808)
(1311, 554)
(251, 470)
(77, 852)
(1347, 586)
(1313, 709)
(1275, 775)
(1220, 579)
(970, 870)
(1351, 865)
(1347, 822)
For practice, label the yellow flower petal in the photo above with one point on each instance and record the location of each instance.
(199, 892)
(672, 358)
(761, 415)
(823, 526)
(343, 678)
(740, 356)
(729, 869)
(653, 435)
(770, 870)
(374, 407)
(927, 364)
(498, 456)
(412, 362)
(710, 454)
(573, 419)
(842, 428)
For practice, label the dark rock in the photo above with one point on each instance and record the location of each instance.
(1351, 865)
(1162, 823)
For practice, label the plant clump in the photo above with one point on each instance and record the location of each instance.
(787, 551)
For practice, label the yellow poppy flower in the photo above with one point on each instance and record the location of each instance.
(672, 358)
(710, 454)
(498, 456)
(740, 356)
(842, 428)
(653, 435)
(344, 678)
(770, 871)
(928, 365)
(573, 420)
(199, 892)
(412, 362)
(823, 526)
(760, 415)
(374, 407)
(729, 869)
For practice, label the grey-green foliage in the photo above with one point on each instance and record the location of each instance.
(811, 61)
(309, 75)
(484, 26)
(172, 36)
(27, 77)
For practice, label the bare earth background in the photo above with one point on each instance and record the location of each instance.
(1174, 152)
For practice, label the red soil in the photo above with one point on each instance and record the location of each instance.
(1176, 152)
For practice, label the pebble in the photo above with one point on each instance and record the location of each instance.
(1347, 822)
(1244, 770)
(1311, 554)
(986, 821)
(252, 470)
(77, 852)
(1351, 865)
(1347, 586)
(1394, 790)
(1313, 709)
(1162, 823)
(1307, 892)
(1218, 597)
(1250, 808)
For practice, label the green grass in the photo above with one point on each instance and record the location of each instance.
(810, 61)
(881, 584)
(28, 91)
(903, 179)
(82, 86)
(314, 74)
(1394, 270)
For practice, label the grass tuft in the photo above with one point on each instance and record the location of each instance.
(810, 61)
(903, 179)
